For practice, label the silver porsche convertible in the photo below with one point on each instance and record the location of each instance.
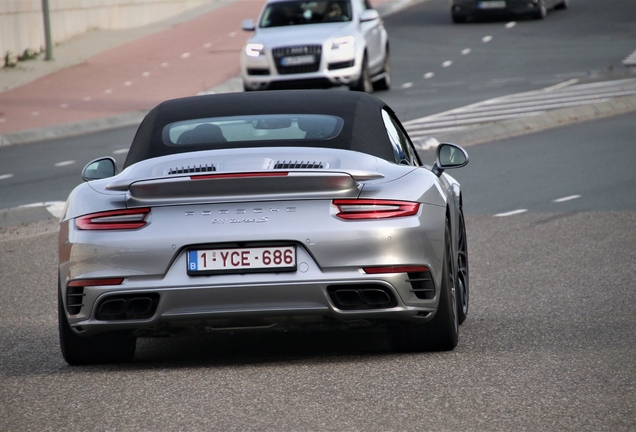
(272, 210)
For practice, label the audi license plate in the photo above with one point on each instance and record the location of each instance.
(492, 5)
(242, 260)
(298, 60)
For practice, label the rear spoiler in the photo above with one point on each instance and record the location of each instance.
(242, 186)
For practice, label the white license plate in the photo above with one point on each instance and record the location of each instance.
(242, 260)
(298, 60)
(492, 5)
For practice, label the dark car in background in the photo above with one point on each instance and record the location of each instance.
(462, 10)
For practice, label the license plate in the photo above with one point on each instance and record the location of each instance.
(298, 60)
(492, 5)
(242, 260)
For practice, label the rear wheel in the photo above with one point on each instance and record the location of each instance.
(457, 19)
(462, 271)
(364, 82)
(384, 83)
(563, 5)
(112, 347)
(440, 333)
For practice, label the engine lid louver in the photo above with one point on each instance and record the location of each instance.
(298, 165)
(192, 169)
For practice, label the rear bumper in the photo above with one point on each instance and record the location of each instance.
(468, 8)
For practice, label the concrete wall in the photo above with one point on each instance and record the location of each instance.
(22, 22)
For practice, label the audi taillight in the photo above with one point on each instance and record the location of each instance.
(374, 209)
(114, 220)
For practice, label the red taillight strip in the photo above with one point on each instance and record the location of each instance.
(375, 209)
(95, 282)
(239, 175)
(114, 220)
(395, 269)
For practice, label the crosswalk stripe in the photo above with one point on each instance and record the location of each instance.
(532, 103)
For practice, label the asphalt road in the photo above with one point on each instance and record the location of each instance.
(549, 343)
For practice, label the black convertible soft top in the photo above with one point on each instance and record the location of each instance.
(363, 128)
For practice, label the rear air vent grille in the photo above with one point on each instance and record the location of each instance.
(422, 285)
(192, 169)
(74, 299)
(298, 165)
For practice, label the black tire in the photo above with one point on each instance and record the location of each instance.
(463, 276)
(542, 12)
(364, 82)
(112, 347)
(442, 332)
(458, 19)
(384, 83)
(563, 5)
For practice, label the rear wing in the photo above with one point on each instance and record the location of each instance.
(243, 186)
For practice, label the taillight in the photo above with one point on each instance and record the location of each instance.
(114, 220)
(395, 269)
(374, 209)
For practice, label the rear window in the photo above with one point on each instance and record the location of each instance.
(275, 127)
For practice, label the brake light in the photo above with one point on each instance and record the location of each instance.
(374, 209)
(114, 220)
(395, 269)
(95, 282)
(239, 175)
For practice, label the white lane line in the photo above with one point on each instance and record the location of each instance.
(511, 213)
(447, 63)
(207, 45)
(145, 74)
(407, 85)
(87, 99)
(486, 39)
(56, 208)
(164, 65)
(429, 75)
(35, 113)
(108, 91)
(2, 120)
(466, 51)
(64, 105)
(185, 55)
(5, 176)
(511, 24)
(128, 83)
(567, 198)
(65, 163)
(120, 151)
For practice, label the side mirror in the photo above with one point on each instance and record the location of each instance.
(99, 169)
(449, 156)
(248, 25)
(369, 15)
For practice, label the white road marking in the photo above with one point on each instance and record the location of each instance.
(108, 91)
(128, 83)
(511, 213)
(145, 74)
(429, 75)
(65, 105)
(121, 151)
(233, 34)
(407, 85)
(65, 163)
(35, 113)
(511, 24)
(5, 176)
(185, 55)
(567, 198)
(87, 99)
(2, 120)
(466, 51)
(56, 208)
(447, 63)
(164, 65)
(486, 39)
(207, 45)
